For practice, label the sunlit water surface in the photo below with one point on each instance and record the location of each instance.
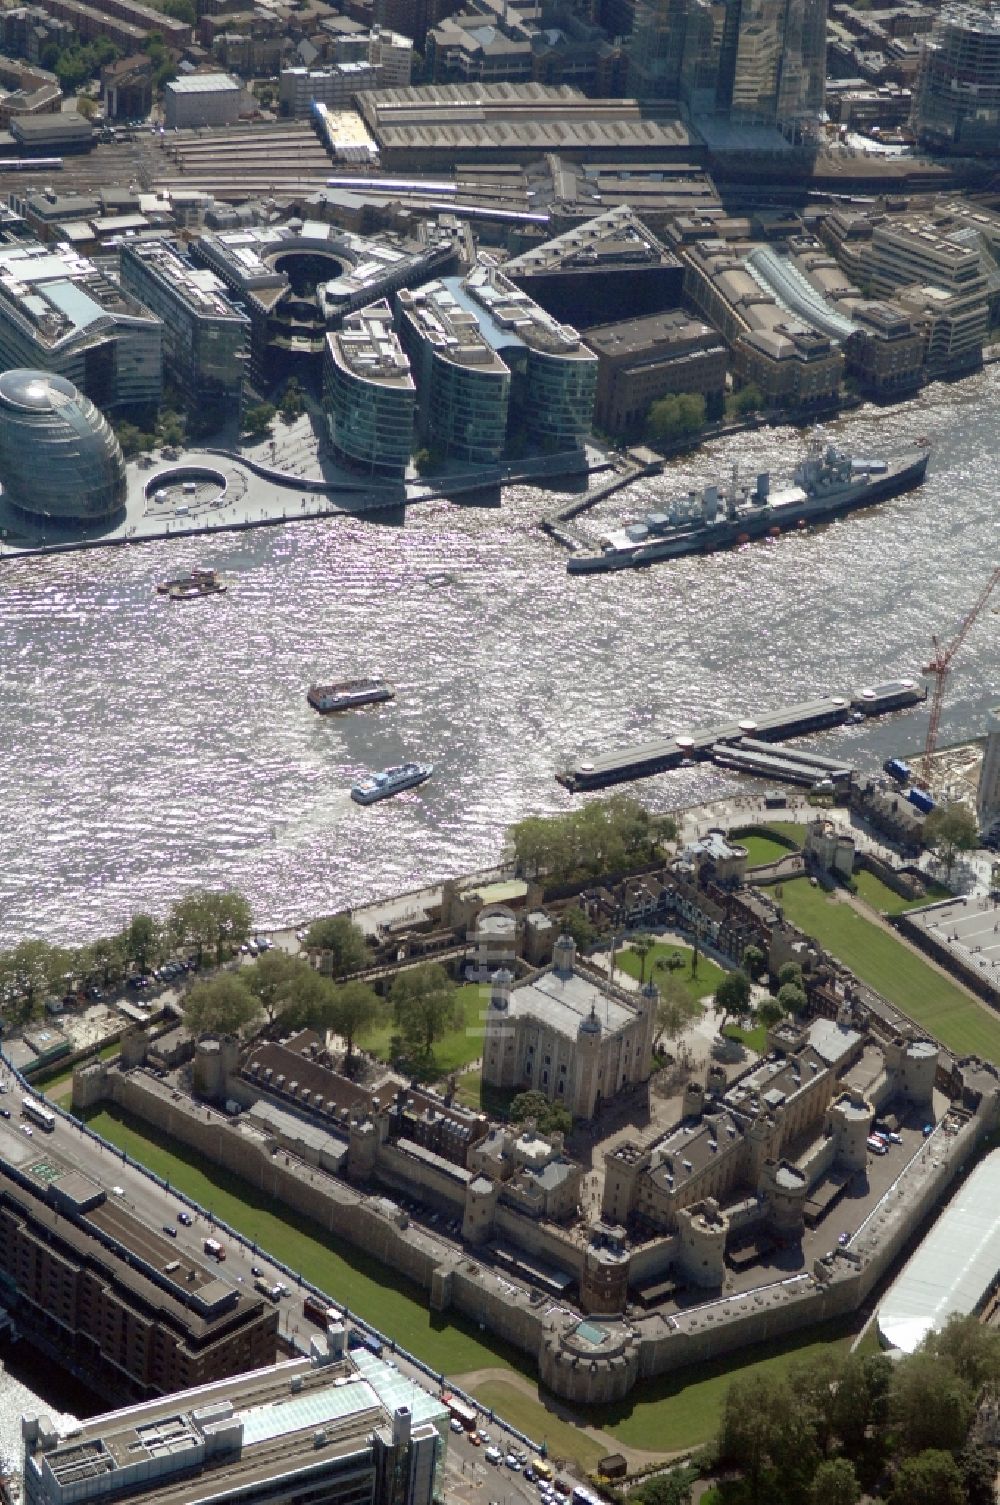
(149, 748)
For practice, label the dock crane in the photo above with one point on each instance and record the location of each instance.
(940, 666)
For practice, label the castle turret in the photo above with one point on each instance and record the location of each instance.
(702, 1231)
(480, 1210)
(911, 1066)
(783, 1188)
(564, 956)
(693, 1102)
(500, 985)
(763, 1138)
(850, 1119)
(587, 1094)
(604, 1281)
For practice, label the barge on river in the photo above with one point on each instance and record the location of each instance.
(189, 587)
(348, 694)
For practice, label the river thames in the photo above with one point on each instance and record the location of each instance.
(150, 747)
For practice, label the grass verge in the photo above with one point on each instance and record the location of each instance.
(533, 1417)
(389, 1301)
(761, 849)
(682, 1410)
(881, 897)
(455, 1050)
(754, 1039)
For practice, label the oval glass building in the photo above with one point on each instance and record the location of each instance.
(59, 457)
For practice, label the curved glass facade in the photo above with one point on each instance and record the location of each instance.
(368, 393)
(59, 457)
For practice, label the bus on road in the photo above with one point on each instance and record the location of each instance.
(40, 1115)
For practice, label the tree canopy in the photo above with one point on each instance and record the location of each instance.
(345, 941)
(600, 837)
(792, 998)
(212, 920)
(732, 997)
(642, 945)
(930, 1478)
(221, 1005)
(425, 1006)
(676, 416)
(29, 973)
(350, 1010)
(835, 1482)
(754, 961)
(142, 941)
(950, 829)
(283, 985)
(578, 925)
(550, 1118)
(257, 420)
(676, 1010)
(834, 1425)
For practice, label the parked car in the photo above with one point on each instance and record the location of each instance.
(494, 1455)
(169, 1228)
(876, 1146)
(456, 1426)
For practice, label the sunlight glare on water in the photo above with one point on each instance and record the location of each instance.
(150, 747)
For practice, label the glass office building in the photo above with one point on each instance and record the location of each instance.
(369, 394)
(59, 458)
(463, 386)
(206, 339)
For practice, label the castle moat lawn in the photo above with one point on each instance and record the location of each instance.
(665, 1415)
(881, 959)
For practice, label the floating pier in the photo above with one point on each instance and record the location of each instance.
(745, 743)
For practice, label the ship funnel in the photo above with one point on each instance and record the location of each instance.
(764, 484)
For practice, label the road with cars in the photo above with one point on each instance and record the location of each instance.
(492, 1470)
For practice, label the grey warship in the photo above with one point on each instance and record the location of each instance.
(825, 483)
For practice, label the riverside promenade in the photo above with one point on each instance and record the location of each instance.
(286, 477)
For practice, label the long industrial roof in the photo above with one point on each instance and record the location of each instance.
(953, 1267)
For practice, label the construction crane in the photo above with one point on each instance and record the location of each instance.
(940, 667)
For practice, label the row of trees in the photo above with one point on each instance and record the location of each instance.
(170, 428)
(203, 923)
(836, 1426)
(282, 992)
(734, 994)
(604, 836)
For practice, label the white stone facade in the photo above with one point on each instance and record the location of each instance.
(563, 1034)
